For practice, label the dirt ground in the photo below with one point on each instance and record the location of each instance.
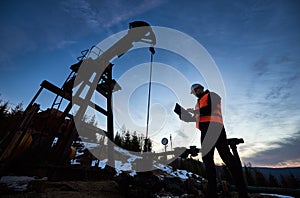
(90, 189)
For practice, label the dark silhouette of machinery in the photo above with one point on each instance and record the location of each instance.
(47, 136)
(50, 136)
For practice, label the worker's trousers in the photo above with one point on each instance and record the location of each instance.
(224, 151)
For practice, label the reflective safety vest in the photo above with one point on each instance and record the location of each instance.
(208, 108)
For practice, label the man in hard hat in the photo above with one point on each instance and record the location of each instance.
(208, 117)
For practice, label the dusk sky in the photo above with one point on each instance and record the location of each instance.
(254, 44)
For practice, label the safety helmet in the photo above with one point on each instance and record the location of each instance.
(194, 86)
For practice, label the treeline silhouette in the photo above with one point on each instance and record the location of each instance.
(10, 115)
(253, 175)
(257, 178)
(131, 140)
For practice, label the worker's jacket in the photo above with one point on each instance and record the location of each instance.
(208, 108)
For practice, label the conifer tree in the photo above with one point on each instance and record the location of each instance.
(283, 181)
(292, 181)
(9, 117)
(118, 139)
(273, 181)
(249, 175)
(260, 179)
(127, 141)
(135, 144)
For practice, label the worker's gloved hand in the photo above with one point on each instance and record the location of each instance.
(191, 110)
(187, 117)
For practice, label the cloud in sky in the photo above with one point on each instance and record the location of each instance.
(104, 14)
(281, 75)
(82, 11)
(267, 111)
(285, 151)
(33, 26)
(255, 45)
(181, 134)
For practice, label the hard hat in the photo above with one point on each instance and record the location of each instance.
(194, 86)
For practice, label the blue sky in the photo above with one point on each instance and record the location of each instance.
(255, 45)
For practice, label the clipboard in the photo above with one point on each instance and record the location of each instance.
(183, 114)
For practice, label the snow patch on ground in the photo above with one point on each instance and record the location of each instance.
(120, 167)
(276, 195)
(182, 174)
(102, 163)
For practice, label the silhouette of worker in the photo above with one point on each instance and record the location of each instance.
(208, 117)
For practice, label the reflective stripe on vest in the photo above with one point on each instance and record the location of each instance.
(215, 116)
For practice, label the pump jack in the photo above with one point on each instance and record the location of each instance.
(32, 142)
(33, 138)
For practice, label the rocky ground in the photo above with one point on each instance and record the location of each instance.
(123, 185)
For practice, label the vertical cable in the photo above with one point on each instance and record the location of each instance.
(149, 100)
(149, 96)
